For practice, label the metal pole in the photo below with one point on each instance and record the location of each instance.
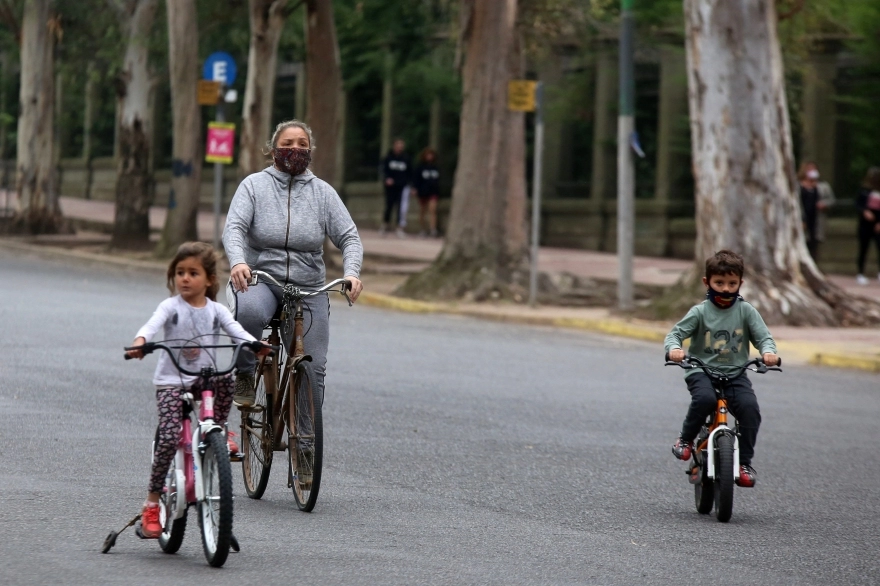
(218, 174)
(536, 192)
(625, 167)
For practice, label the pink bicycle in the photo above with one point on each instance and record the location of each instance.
(200, 474)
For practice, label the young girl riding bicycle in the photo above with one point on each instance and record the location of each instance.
(192, 317)
(720, 329)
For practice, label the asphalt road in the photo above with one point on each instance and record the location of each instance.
(458, 452)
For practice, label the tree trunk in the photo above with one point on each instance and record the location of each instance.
(36, 175)
(485, 252)
(323, 86)
(186, 163)
(134, 194)
(267, 21)
(747, 193)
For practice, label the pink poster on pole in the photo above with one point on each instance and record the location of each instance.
(221, 142)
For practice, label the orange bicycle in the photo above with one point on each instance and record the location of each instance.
(715, 465)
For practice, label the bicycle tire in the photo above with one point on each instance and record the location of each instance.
(305, 445)
(256, 433)
(704, 491)
(171, 537)
(724, 478)
(215, 511)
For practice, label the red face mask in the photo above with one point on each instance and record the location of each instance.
(292, 160)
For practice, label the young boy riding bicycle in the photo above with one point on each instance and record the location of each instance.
(720, 329)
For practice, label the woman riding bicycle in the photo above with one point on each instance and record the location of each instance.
(277, 223)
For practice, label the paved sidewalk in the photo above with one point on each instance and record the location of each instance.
(840, 347)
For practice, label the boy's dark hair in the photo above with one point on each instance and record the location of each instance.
(205, 254)
(725, 262)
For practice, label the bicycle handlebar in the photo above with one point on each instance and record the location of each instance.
(303, 293)
(690, 362)
(151, 347)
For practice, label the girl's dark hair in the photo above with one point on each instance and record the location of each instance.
(423, 156)
(872, 179)
(725, 262)
(208, 259)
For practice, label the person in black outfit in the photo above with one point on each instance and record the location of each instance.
(426, 184)
(816, 198)
(396, 172)
(868, 204)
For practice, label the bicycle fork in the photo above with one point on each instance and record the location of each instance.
(708, 446)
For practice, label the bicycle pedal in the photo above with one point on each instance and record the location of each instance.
(236, 457)
(137, 530)
(693, 475)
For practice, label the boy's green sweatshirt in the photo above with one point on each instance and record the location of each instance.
(720, 337)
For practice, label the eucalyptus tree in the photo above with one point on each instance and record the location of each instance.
(36, 174)
(323, 85)
(186, 163)
(134, 86)
(485, 252)
(266, 25)
(746, 190)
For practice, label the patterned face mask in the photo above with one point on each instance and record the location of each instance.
(292, 160)
(722, 300)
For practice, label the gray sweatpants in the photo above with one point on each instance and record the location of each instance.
(255, 308)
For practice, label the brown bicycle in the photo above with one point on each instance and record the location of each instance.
(286, 401)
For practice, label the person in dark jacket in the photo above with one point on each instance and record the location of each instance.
(396, 169)
(816, 197)
(868, 204)
(426, 184)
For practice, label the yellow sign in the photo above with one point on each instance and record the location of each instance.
(209, 92)
(521, 95)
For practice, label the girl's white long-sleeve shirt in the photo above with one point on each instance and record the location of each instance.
(190, 327)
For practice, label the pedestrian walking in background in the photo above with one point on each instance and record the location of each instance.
(868, 204)
(816, 198)
(396, 174)
(426, 184)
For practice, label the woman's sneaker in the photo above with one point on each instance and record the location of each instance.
(244, 390)
(150, 527)
(861, 279)
(682, 449)
(747, 476)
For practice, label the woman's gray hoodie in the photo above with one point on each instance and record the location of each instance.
(277, 223)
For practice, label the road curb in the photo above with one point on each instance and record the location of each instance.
(153, 265)
(611, 327)
(867, 364)
(603, 326)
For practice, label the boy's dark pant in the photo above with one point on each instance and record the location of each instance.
(742, 403)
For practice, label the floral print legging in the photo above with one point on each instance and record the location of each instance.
(170, 413)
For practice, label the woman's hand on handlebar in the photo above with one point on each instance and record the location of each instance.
(240, 276)
(355, 289)
(770, 359)
(137, 353)
(676, 355)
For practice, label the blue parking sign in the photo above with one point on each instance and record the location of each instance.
(220, 66)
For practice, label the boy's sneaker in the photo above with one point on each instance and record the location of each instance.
(150, 526)
(234, 452)
(861, 279)
(244, 390)
(747, 476)
(682, 449)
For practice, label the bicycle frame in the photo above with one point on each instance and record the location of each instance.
(291, 300)
(717, 427)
